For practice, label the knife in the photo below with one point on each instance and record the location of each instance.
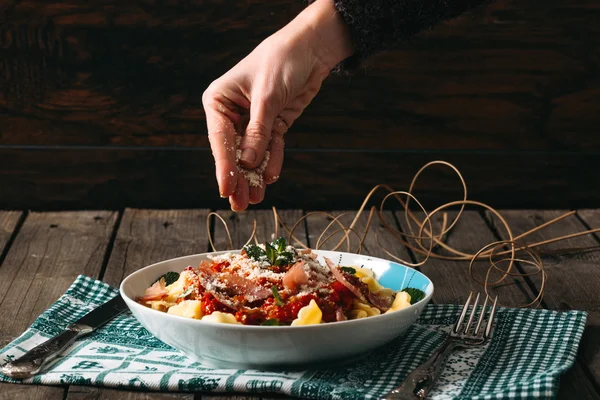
(32, 362)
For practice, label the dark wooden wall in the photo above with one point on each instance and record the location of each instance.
(100, 106)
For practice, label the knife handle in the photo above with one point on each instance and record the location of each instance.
(32, 362)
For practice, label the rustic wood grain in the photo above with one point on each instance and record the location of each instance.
(591, 336)
(8, 224)
(10, 391)
(511, 78)
(49, 252)
(507, 74)
(59, 233)
(575, 384)
(451, 279)
(114, 179)
(148, 236)
(215, 397)
(92, 393)
(572, 279)
(317, 223)
(145, 237)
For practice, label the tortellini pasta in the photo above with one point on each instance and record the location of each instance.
(309, 315)
(367, 277)
(224, 318)
(402, 300)
(187, 308)
(362, 310)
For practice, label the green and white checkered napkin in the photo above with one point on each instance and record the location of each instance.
(529, 351)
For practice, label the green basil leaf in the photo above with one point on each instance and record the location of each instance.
(255, 252)
(284, 258)
(271, 322)
(277, 296)
(415, 294)
(271, 253)
(349, 270)
(280, 244)
(170, 278)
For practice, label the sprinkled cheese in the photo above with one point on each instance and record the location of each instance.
(254, 177)
(247, 267)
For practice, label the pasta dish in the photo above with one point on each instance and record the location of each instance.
(274, 284)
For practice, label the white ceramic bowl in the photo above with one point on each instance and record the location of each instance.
(277, 347)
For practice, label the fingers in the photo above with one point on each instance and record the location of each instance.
(258, 133)
(256, 194)
(221, 135)
(273, 169)
(239, 199)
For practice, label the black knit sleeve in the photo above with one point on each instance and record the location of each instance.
(377, 25)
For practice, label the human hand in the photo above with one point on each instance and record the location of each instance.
(261, 97)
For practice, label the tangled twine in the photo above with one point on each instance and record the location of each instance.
(502, 256)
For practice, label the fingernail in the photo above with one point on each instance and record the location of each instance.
(248, 156)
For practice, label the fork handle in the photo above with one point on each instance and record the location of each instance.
(419, 382)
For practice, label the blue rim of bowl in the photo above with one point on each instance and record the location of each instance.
(381, 317)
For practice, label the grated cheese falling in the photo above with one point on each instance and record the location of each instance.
(255, 176)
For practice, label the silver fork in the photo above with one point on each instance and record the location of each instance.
(419, 382)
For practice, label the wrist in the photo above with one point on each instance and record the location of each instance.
(330, 37)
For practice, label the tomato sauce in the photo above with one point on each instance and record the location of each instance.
(339, 297)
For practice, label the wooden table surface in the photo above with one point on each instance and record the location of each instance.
(41, 253)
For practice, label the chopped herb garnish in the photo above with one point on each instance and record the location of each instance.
(349, 270)
(255, 252)
(273, 252)
(279, 244)
(284, 258)
(170, 278)
(271, 322)
(415, 294)
(277, 296)
(186, 292)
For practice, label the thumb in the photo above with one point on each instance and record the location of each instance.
(258, 134)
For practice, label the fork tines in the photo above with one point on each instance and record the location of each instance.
(467, 331)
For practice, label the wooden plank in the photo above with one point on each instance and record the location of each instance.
(145, 237)
(49, 252)
(496, 77)
(317, 223)
(451, 279)
(224, 397)
(120, 178)
(8, 224)
(92, 393)
(27, 392)
(149, 236)
(575, 384)
(572, 279)
(592, 334)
